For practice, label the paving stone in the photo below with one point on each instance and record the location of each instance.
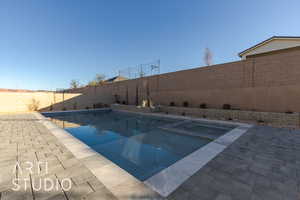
(46, 187)
(181, 193)
(111, 176)
(241, 190)
(134, 191)
(70, 172)
(60, 196)
(261, 165)
(19, 195)
(223, 197)
(6, 185)
(24, 141)
(79, 191)
(100, 194)
(82, 177)
(95, 184)
(20, 191)
(95, 161)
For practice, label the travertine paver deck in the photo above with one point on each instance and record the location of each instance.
(23, 140)
(263, 164)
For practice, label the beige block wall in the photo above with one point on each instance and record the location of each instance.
(268, 82)
(21, 101)
(263, 83)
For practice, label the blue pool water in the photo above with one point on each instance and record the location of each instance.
(136, 143)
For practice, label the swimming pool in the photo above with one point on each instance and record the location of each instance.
(140, 144)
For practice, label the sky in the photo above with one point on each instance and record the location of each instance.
(44, 44)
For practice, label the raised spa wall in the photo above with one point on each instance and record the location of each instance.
(270, 118)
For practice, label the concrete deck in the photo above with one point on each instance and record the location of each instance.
(264, 163)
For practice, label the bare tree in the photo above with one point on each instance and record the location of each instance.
(98, 80)
(207, 57)
(34, 105)
(74, 84)
(93, 83)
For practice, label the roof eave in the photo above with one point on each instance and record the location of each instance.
(265, 41)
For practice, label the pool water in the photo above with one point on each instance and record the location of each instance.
(137, 143)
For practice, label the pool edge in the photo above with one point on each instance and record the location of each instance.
(117, 180)
(164, 182)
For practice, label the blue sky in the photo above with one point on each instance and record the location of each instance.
(46, 43)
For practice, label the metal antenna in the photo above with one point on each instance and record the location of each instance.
(141, 70)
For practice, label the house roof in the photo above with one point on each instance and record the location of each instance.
(116, 78)
(267, 41)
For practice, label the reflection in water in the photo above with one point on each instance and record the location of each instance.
(132, 151)
(134, 142)
(65, 124)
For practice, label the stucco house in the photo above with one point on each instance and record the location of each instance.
(272, 44)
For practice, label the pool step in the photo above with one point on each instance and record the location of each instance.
(175, 124)
(189, 133)
(214, 126)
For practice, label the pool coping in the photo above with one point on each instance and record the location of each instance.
(164, 182)
(80, 110)
(121, 183)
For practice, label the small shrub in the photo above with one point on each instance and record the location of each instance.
(226, 106)
(203, 105)
(172, 103)
(185, 104)
(260, 121)
(98, 105)
(117, 99)
(64, 108)
(34, 105)
(204, 116)
(289, 112)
